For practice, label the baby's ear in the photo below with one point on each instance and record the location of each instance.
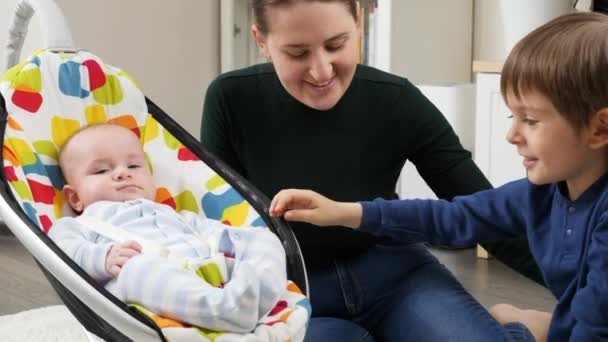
(71, 196)
(599, 129)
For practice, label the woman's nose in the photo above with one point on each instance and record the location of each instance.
(321, 69)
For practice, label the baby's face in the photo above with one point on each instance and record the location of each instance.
(106, 163)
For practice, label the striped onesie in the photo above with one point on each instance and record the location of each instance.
(251, 261)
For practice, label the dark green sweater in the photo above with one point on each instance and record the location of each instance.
(353, 152)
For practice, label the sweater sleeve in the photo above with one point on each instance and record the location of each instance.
(80, 245)
(435, 150)
(484, 216)
(590, 303)
(216, 126)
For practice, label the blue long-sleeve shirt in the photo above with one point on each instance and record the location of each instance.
(569, 240)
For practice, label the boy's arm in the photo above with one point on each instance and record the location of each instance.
(79, 244)
(590, 303)
(309, 206)
(484, 216)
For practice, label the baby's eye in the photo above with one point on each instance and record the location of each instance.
(100, 171)
(134, 166)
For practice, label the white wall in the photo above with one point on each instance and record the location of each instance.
(170, 47)
(499, 24)
(432, 40)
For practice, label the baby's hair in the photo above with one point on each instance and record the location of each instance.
(83, 129)
(565, 60)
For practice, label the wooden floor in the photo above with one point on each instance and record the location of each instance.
(23, 287)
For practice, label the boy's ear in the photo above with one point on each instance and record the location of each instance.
(71, 196)
(260, 40)
(599, 129)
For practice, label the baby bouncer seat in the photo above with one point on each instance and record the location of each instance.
(56, 91)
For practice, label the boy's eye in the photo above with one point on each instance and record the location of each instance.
(334, 47)
(530, 122)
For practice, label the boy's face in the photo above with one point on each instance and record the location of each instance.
(553, 149)
(105, 163)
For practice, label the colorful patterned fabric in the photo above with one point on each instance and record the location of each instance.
(50, 96)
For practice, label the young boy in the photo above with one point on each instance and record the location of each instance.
(555, 82)
(108, 182)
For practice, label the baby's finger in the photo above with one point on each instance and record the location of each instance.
(132, 245)
(121, 261)
(129, 252)
(114, 270)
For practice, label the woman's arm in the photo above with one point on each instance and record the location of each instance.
(216, 127)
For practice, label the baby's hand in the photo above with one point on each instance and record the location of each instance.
(309, 206)
(119, 254)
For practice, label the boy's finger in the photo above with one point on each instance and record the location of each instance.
(298, 215)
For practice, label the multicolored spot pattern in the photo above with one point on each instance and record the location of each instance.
(52, 97)
(49, 97)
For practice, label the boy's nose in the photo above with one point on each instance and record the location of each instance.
(513, 135)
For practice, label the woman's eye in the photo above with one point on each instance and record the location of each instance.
(334, 47)
(296, 54)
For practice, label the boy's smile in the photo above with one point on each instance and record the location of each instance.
(553, 150)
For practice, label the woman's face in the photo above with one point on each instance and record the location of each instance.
(313, 47)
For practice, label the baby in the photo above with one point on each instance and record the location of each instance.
(109, 184)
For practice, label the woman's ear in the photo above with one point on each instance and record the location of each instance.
(599, 129)
(260, 41)
(71, 196)
(359, 15)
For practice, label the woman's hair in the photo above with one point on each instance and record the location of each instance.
(566, 60)
(260, 8)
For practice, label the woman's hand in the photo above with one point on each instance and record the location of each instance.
(119, 254)
(309, 206)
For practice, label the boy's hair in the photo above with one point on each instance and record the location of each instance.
(566, 60)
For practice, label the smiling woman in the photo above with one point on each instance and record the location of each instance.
(314, 118)
(238, 50)
(314, 61)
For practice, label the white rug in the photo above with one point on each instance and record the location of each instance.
(51, 323)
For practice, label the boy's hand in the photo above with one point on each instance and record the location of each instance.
(119, 254)
(309, 206)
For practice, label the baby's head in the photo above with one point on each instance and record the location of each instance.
(104, 162)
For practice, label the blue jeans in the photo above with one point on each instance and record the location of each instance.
(519, 332)
(395, 293)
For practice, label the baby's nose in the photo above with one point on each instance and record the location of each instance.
(122, 173)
